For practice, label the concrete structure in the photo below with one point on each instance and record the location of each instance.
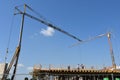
(3, 66)
(75, 74)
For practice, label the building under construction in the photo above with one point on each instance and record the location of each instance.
(80, 73)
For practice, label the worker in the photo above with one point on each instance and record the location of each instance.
(26, 78)
(69, 67)
(82, 66)
(78, 66)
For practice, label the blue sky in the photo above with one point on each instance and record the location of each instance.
(82, 18)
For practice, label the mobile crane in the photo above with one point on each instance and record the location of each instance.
(108, 34)
(15, 57)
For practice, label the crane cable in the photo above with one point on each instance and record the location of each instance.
(46, 22)
(9, 38)
(38, 14)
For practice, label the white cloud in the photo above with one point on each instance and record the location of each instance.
(47, 32)
(29, 68)
(20, 65)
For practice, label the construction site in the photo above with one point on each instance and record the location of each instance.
(81, 72)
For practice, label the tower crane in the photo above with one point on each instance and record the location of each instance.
(15, 57)
(108, 35)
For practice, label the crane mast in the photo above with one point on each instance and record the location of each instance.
(15, 58)
(111, 51)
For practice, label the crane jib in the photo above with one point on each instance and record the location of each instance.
(52, 26)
